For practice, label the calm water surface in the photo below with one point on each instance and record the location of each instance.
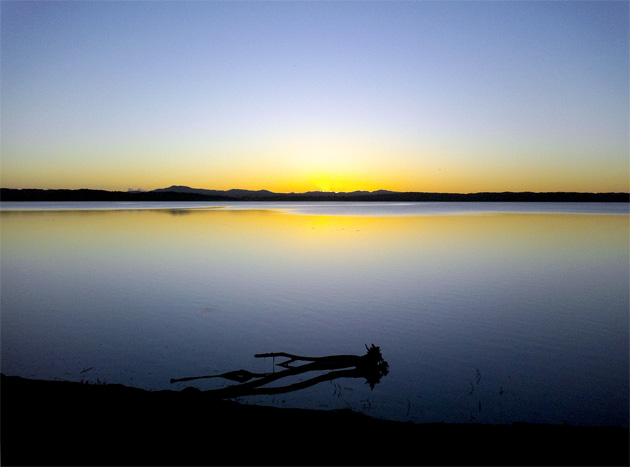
(485, 312)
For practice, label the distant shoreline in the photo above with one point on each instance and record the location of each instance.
(191, 194)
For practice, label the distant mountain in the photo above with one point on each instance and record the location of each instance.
(266, 194)
(186, 189)
(185, 193)
(233, 193)
(386, 195)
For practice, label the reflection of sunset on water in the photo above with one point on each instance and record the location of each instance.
(536, 301)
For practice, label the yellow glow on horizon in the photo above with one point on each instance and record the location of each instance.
(308, 165)
(324, 181)
(317, 160)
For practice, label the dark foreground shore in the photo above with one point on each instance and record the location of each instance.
(62, 423)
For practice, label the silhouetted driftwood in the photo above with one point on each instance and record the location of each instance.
(239, 375)
(370, 366)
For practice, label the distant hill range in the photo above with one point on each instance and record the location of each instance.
(184, 193)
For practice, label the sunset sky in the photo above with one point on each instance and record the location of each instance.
(433, 96)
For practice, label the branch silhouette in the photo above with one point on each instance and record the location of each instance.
(370, 366)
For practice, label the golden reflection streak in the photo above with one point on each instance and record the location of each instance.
(306, 235)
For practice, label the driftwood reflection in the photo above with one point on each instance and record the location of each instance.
(370, 366)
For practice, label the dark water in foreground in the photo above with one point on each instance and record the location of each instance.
(485, 312)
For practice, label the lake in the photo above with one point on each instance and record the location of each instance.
(484, 312)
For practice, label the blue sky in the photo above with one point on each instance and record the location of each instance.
(292, 96)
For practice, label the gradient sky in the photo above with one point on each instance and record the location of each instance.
(294, 96)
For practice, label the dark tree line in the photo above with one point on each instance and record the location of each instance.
(9, 194)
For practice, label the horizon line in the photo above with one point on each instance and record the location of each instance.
(166, 189)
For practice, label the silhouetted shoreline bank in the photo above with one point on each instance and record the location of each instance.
(65, 423)
(191, 194)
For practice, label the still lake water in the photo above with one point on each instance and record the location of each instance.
(485, 312)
